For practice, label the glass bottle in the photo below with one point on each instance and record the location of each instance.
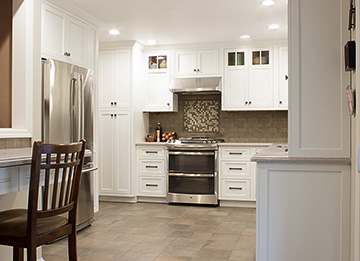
(158, 132)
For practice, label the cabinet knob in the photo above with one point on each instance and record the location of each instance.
(67, 54)
(198, 70)
(249, 102)
(115, 115)
(112, 115)
(111, 103)
(115, 103)
(286, 77)
(194, 70)
(168, 104)
(246, 102)
(280, 102)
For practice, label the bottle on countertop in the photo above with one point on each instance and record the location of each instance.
(158, 132)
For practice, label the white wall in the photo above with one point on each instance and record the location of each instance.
(319, 124)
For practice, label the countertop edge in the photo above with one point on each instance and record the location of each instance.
(284, 159)
(277, 153)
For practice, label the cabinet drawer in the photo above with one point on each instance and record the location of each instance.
(151, 152)
(151, 167)
(8, 180)
(235, 153)
(151, 186)
(235, 169)
(235, 189)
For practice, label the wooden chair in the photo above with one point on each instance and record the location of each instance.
(29, 228)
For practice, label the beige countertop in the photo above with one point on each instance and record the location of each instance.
(19, 157)
(150, 143)
(244, 144)
(277, 153)
(228, 144)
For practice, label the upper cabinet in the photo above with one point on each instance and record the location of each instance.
(251, 81)
(114, 79)
(197, 63)
(282, 98)
(261, 83)
(67, 38)
(157, 97)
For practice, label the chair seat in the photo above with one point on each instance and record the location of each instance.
(14, 223)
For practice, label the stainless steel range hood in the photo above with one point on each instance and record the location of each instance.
(196, 85)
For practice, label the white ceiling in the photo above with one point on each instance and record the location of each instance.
(187, 21)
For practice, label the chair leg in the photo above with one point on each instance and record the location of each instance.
(31, 254)
(72, 248)
(18, 254)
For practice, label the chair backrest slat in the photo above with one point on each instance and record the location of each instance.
(47, 183)
(56, 180)
(63, 181)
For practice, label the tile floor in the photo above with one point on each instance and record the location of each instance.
(162, 232)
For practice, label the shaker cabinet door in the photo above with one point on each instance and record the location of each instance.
(76, 41)
(106, 153)
(53, 32)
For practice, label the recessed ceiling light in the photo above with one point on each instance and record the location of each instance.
(151, 42)
(245, 36)
(268, 2)
(273, 26)
(114, 32)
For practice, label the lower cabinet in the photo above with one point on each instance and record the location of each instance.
(151, 171)
(114, 153)
(237, 175)
(303, 211)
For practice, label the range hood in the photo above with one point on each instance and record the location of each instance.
(196, 85)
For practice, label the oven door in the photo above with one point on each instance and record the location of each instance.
(192, 177)
(192, 162)
(200, 184)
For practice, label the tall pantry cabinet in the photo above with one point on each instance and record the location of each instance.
(117, 115)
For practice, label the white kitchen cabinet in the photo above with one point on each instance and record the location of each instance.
(235, 93)
(64, 37)
(261, 82)
(282, 99)
(237, 175)
(92, 47)
(197, 62)
(303, 211)
(151, 170)
(157, 96)
(9, 180)
(114, 79)
(249, 82)
(114, 153)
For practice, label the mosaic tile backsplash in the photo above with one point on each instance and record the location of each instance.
(201, 116)
(233, 126)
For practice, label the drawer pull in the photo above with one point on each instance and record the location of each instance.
(235, 188)
(151, 152)
(5, 180)
(152, 185)
(235, 168)
(151, 167)
(235, 153)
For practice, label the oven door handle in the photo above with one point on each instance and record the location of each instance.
(191, 153)
(191, 175)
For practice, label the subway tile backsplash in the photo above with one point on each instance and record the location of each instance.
(201, 115)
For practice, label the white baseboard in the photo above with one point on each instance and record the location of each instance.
(151, 199)
(237, 204)
(118, 199)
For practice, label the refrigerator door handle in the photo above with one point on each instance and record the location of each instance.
(72, 107)
(81, 104)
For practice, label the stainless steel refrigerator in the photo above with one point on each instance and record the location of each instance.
(67, 116)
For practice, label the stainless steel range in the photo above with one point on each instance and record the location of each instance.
(192, 175)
